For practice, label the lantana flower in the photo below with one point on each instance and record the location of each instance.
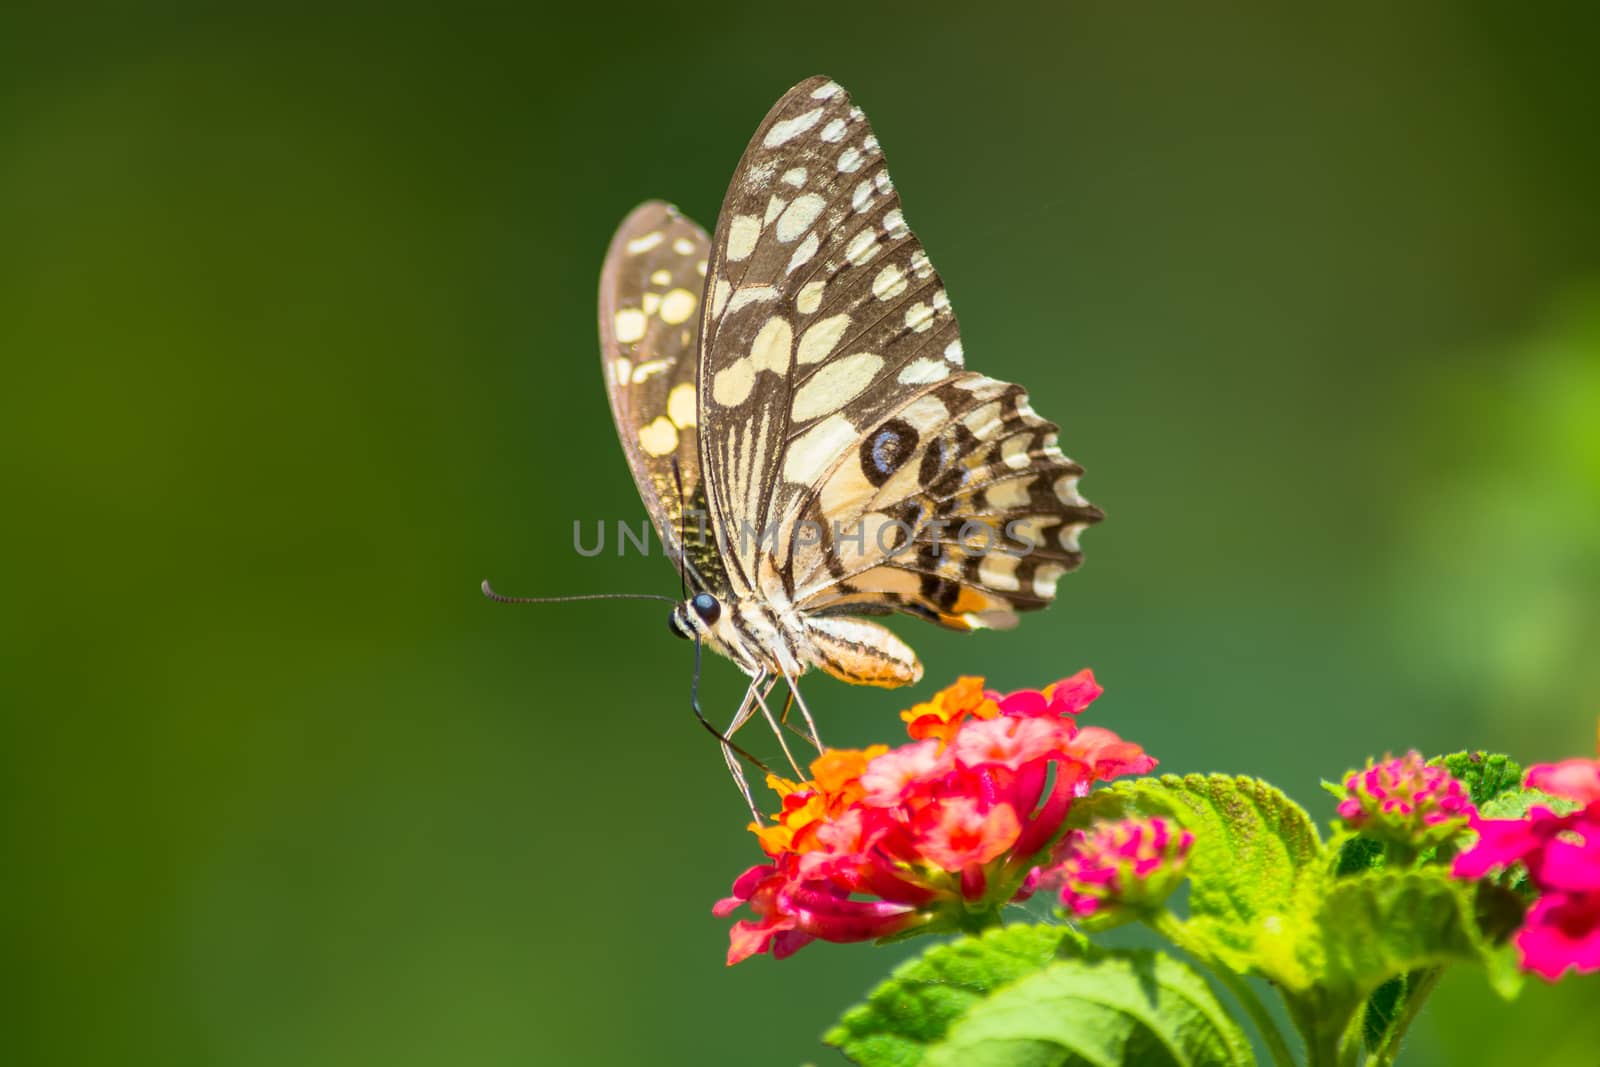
(1116, 871)
(1561, 853)
(1406, 801)
(938, 834)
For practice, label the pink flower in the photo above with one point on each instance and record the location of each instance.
(1561, 853)
(1112, 872)
(1406, 801)
(938, 834)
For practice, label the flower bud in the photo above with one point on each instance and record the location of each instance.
(1406, 801)
(1113, 872)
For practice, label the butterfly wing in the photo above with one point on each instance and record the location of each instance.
(650, 292)
(831, 365)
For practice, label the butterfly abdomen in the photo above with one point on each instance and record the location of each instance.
(861, 652)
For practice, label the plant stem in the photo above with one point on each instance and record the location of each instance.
(1417, 991)
(1173, 929)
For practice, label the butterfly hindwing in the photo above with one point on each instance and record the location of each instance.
(650, 290)
(960, 508)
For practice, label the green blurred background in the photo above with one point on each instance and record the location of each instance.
(297, 316)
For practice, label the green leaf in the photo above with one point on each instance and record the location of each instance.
(916, 1005)
(1486, 775)
(1353, 934)
(1355, 854)
(1516, 805)
(1127, 1008)
(1252, 844)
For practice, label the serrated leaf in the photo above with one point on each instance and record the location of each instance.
(1127, 1008)
(1353, 934)
(1516, 805)
(1486, 775)
(1252, 844)
(916, 1005)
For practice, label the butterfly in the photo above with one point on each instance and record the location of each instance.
(793, 401)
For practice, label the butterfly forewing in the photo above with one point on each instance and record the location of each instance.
(831, 366)
(650, 292)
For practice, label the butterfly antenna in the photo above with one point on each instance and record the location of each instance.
(694, 703)
(489, 592)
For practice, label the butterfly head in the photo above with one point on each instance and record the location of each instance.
(696, 616)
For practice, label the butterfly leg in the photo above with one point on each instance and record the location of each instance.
(731, 752)
(777, 728)
(805, 712)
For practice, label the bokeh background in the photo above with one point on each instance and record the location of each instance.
(297, 324)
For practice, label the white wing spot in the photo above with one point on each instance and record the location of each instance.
(870, 143)
(795, 177)
(629, 324)
(620, 370)
(750, 294)
(953, 351)
(659, 438)
(997, 570)
(683, 246)
(923, 371)
(862, 248)
(895, 223)
(819, 340)
(889, 283)
(833, 131)
(661, 277)
(826, 91)
(651, 302)
(700, 268)
(861, 197)
(1008, 495)
(1045, 577)
(789, 129)
(775, 204)
(810, 296)
(677, 306)
(883, 181)
(941, 300)
(719, 296)
(835, 385)
(920, 265)
(849, 161)
(645, 243)
(802, 254)
(680, 405)
(645, 371)
(799, 216)
(732, 383)
(769, 351)
(743, 232)
(815, 450)
(919, 317)
(1014, 451)
(1067, 491)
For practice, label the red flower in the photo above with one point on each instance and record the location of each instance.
(1561, 853)
(938, 834)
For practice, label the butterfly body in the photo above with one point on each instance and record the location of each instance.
(792, 396)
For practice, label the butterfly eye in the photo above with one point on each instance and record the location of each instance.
(706, 606)
(676, 626)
